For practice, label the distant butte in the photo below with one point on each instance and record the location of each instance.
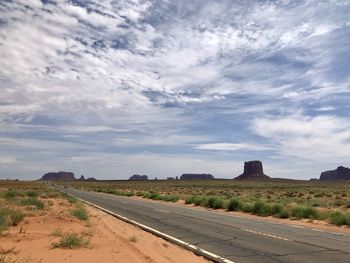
(63, 176)
(340, 174)
(253, 170)
(196, 177)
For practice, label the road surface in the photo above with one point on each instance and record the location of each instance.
(237, 238)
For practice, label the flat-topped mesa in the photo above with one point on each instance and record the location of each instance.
(137, 177)
(196, 177)
(253, 170)
(340, 174)
(60, 176)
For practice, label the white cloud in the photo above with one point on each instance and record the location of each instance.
(231, 147)
(323, 138)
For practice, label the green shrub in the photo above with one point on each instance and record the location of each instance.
(11, 194)
(32, 193)
(200, 200)
(33, 201)
(339, 218)
(71, 240)
(171, 198)
(283, 214)
(189, 199)
(234, 204)
(154, 196)
(10, 217)
(248, 208)
(305, 212)
(262, 209)
(80, 213)
(69, 198)
(276, 209)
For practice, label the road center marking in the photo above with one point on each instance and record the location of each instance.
(159, 210)
(264, 234)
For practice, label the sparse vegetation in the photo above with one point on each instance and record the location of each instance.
(133, 239)
(71, 240)
(32, 202)
(280, 199)
(80, 212)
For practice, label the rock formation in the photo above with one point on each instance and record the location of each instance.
(64, 176)
(60, 176)
(253, 170)
(340, 174)
(196, 177)
(137, 177)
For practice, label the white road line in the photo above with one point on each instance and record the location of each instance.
(319, 230)
(296, 226)
(159, 210)
(265, 234)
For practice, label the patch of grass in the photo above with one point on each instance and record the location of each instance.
(9, 217)
(11, 194)
(57, 232)
(69, 198)
(71, 240)
(32, 201)
(262, 209)
(339, 218)
(32, 193)
(80, 213)
(305, 212)
(234, 204)
(133, 239)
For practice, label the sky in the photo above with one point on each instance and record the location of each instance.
(111, 88)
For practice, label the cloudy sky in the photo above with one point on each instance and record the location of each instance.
(109, 88)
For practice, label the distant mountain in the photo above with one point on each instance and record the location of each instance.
(138, 177)
(196, 177)
(340, 174)
(253, 170)
(59, 176)
(64, 176)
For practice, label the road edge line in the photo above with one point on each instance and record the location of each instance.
(196, 250)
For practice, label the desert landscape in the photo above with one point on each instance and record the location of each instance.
(40, 224)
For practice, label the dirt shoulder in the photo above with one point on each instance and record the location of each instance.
(111, 240)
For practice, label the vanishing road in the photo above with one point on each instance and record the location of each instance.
(240, 239)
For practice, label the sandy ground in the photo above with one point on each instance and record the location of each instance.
(110, 240)
(317, 224)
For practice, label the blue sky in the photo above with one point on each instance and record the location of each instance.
(112, 88)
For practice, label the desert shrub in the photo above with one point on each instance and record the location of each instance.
(189, 199)
(248, 208)
(154, 196)
(32, 193)
(80, 213)
(233, 204)
(139, 193)
(11, 194)
(10, 217)
(170, 198)
(218, 203)
(211, 201)
(283, 214)
(71, 240)
(339, 218)
(276, 209)
(133, 239)
(32, 201)
(262, 209)
(200, 200)
(69, 198)
(305, 212)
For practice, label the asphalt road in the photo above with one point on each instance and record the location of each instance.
(240, 239)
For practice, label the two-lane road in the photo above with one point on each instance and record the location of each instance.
(240, 239)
